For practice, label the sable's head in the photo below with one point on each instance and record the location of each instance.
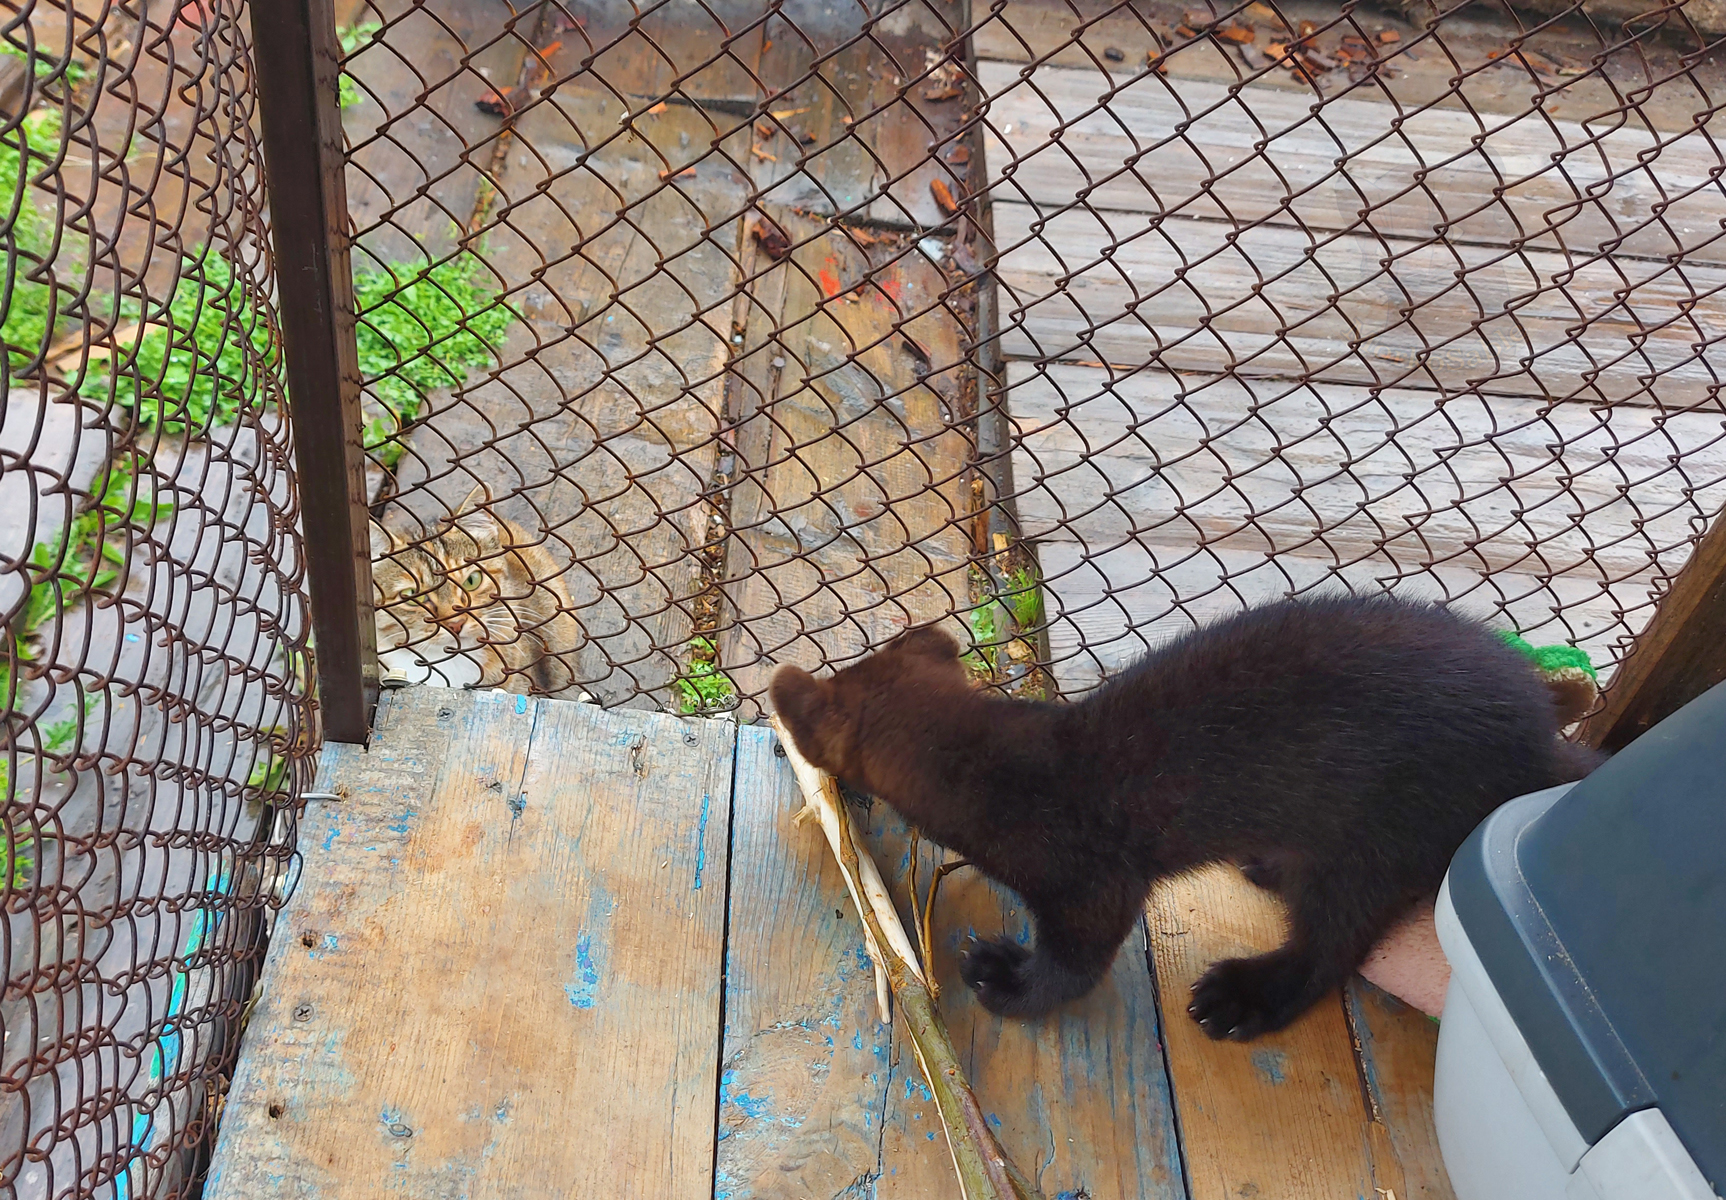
(828, 718)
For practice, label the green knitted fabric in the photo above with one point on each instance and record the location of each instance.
(1548, 659)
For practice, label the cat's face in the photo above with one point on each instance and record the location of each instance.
(825, 717)
(448, 581)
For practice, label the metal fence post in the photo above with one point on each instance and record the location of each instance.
(1679, 656)
(297, 57)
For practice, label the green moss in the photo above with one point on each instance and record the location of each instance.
(704, 687)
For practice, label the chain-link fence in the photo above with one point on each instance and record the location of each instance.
(153, 664)
(761, 333)
(697, 337)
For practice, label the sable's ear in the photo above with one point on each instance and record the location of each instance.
(930, 641)
(802, 703)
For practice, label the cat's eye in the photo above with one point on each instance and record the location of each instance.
(406, 592)
(472, 580)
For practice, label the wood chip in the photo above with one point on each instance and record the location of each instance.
(1185, 32)
(946, 91)
(774, 244)
(1262, 11)
(657, 108)
(758, 152)
(763, 129)
(1114, 54)
(943, 197)
(1197, 18)
(1307, 29)
(683, 174)
(1239, 34)
(1255, 58)
(1156, 62)
(959, 155)
(1387, 36)
(500, 104)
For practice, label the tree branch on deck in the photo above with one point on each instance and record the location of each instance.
(985, 1172)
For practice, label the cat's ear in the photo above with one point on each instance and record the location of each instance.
(475, 520)
(804, 705)
(930, 642)
(474, 499)
(383, 541)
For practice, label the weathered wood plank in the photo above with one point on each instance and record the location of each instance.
(805, 1071)
(849, 507)
(1190, 148)
(1402, 473)
(599, 430)
(1080, 1099)
(541, 886)
(1157, 497)
(1282, 1116)
(1272, 300)
(1397, 1046)
(1108, 605)
(819, 1099)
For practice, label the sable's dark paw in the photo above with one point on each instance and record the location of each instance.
(1241, 998)
(995, 972)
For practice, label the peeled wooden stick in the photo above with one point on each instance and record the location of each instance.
(985, 1172)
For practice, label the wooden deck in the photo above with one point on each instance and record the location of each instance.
(540, 949)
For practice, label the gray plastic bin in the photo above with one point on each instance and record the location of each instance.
(1583, 1050)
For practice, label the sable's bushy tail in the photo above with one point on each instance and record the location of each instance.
(1572, 761)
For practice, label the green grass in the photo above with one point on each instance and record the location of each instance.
(704, 687)
(88, 554)
(58, 735)
(26, 306)
(46, 65)
(354, 37)
(420, 331)
(197, 365)
(1024, 599)
(17, 859)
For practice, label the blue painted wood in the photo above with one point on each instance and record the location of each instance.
(818, 1097)
(500, 974)
(805, 1071)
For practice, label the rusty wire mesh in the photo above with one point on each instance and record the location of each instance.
(153, 663)
(703, 336)
(1068, 323)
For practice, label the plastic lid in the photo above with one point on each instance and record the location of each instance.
(1602, 922)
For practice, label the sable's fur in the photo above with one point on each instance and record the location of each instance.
(1340, 749)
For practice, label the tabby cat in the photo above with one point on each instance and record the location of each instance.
(481, 587)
